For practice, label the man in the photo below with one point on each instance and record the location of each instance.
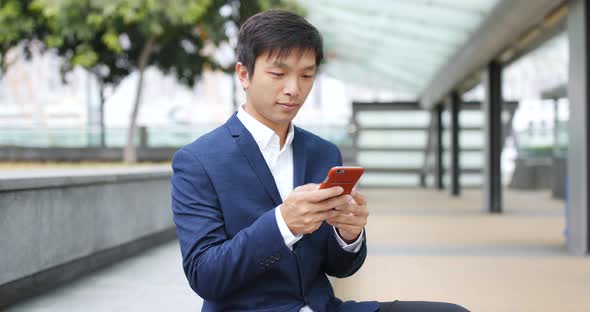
(256, 233)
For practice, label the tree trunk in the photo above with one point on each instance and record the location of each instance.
(3, 52)
(103, 142)
(2, 65)
(130, 152)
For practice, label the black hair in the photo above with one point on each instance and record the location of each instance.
(278, 33)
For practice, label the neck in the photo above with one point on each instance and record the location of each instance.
(281, 129)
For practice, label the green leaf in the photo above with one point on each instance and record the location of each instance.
(111, 40)
(95, 20)
(84, 57)
(54, 41)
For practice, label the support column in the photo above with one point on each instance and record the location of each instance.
(454, 107)
(492, 109)
(438, 148)
(578, 171)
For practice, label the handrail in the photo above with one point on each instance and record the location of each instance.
(507, 130)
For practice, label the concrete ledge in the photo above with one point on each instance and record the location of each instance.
(31, 179)
(18, 153)
(58, 224)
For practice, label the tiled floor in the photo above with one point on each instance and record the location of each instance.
(423, 245)
(152, 281)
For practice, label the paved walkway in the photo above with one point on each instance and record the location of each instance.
(151, 281)
(423, 245)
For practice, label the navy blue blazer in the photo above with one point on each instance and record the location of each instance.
(234, 257)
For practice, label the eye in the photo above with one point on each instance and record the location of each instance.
(276, 74)
(307, 76)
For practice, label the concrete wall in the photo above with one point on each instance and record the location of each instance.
(51, 218)
(532, 174)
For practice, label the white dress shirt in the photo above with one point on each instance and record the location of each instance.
(280, 163)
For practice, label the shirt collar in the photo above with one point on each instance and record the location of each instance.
(262, 134)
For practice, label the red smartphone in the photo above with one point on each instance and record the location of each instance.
(345, 177)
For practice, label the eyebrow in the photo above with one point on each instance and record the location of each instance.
(283, 65)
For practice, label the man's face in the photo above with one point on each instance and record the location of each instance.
(278, 88)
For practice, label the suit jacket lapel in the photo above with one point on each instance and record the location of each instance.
(251, 151)
(299, 159)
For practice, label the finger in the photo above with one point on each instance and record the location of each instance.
(340, 208)
(354, 209)
(321, 195)
(341, 218)
(325, 215)
(331, 203)
(307, 187)
(315, 226)
(335, 220)
(347, 220)
(358, 197)
(348, 208)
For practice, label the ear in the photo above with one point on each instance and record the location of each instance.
(243, 75)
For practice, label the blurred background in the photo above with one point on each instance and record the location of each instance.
(470, 117)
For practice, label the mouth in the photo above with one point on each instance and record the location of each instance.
(288, 106)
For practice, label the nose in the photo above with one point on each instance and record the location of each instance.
(291, 87)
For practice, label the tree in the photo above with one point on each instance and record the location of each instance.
(22, 23)
(89, 44)
(113, 38)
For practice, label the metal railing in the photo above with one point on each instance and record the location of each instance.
(147, 136)
(428, 163)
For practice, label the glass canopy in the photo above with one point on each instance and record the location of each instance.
(393, 44)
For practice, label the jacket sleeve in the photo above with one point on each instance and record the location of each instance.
(338, 262)
(214, 264)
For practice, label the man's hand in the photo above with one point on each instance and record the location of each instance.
(307, 207)
(352, 217)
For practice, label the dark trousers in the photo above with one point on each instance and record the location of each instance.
(420, 306)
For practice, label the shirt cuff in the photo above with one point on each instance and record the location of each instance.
(288, 237)
(353, 247)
